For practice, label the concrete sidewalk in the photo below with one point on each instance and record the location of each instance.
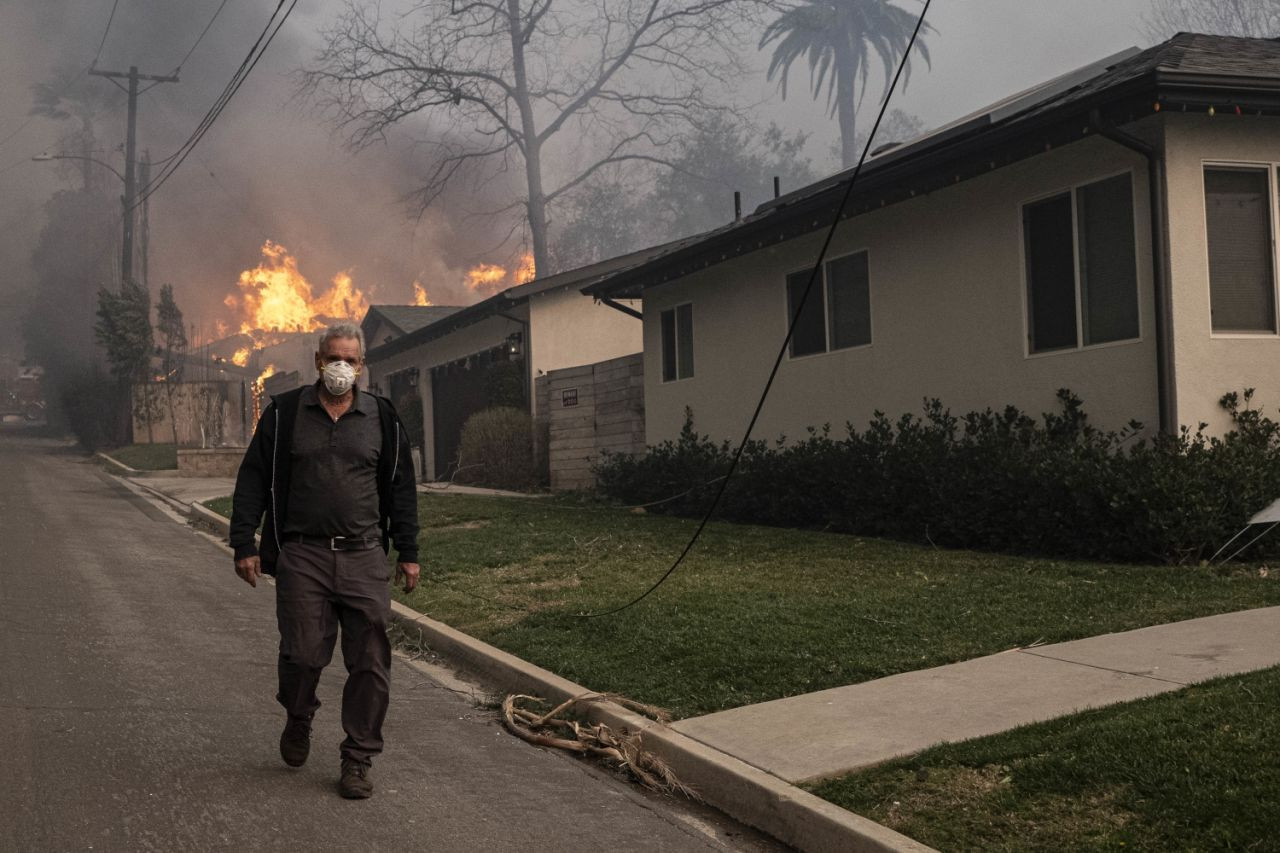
(831, 732)
(189, 490)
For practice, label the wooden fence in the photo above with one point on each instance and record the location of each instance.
(585, 411)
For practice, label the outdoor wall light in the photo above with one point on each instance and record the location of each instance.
(514, 343)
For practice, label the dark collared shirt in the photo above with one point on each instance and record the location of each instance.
(334, 487)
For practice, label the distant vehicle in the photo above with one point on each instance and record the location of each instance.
(27, 395)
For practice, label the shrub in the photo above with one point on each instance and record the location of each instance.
(997, 481)
(496, 450)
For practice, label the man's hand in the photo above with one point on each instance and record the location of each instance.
(250, 567)
(407, 574)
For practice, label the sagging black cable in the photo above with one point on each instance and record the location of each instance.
(782, 352)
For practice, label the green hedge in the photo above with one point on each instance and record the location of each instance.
(995, 481)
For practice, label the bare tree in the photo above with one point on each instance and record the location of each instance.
(564, 87)
(1258, 18)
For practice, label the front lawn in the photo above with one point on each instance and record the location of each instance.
(758, 613)
(146, 457)
(1196, 769)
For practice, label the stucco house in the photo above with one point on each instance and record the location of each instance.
(491, 353)
(1111, 231)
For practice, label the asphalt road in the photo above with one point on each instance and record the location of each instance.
(136, 710)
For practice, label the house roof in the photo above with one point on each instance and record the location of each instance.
(510, 298)
(1189, 72)
(407, 318)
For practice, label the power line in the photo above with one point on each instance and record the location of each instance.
(73, 80)
(214, 111)
(795, 319)
(237, 80)
(208, 170)
(200, 37)
(105, 32)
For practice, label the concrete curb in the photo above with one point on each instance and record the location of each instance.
(120, 468)
(743, 792)
(200, 512)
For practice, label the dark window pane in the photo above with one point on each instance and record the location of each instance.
(1051, 273)
(1238, 220)
(684, 341)
(811, 332)
(1108, 271)
(849, 307)
(668, 345)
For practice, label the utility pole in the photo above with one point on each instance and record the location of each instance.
(130, 153)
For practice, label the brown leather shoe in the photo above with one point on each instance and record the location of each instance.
(355, 784)
(295, 742)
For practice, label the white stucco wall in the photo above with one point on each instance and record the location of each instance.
(947, 313)
(569, 329)
(1209, 364)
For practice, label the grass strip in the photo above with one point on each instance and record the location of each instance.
(759, 613)
(1196, 769)
(222, 506)
(146, 457)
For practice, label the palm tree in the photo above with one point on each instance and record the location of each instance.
(839, 38)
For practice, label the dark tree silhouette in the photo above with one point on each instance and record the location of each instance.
(841, 39)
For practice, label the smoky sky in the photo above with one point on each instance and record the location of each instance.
(271, 168)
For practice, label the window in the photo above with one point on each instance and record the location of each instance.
(677, 343)
(837, 314)
(1238, 224)
(1082, 280)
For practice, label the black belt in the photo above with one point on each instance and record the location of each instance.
(336, 543)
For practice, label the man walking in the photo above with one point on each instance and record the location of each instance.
(330, 468)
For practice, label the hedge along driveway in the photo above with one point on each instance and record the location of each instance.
(758, 613)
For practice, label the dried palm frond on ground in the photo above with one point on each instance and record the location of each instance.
(556, 728)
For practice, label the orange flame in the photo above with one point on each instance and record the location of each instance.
(488, 279)
(420, 295)
(258, 389)
(525, 270)
(241, 357)
(275, 296)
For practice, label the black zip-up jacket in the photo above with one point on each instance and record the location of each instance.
(262, 484)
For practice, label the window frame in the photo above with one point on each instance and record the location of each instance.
(826, 307)
(1025, 274)
(675, 330)
(1271, 167)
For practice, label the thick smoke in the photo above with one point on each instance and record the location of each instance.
(268, 169)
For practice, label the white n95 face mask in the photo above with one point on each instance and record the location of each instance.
(338, 377)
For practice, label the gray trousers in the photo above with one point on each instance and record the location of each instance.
(318, 590)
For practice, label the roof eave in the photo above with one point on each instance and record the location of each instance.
(890, 183)
(468, 316)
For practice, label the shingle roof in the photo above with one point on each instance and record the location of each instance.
(1189, 71)
(410, 318)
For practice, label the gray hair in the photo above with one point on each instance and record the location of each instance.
(342, 330)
